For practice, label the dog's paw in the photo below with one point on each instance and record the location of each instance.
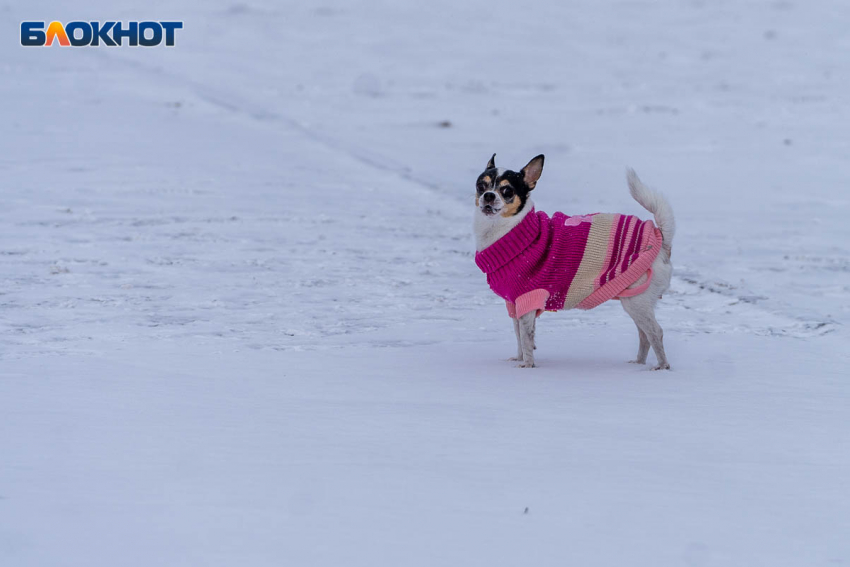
(637, 361)
(515, 359)
(662, 367)
(526, 365)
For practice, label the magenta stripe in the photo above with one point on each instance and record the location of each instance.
(631, 248)
(634, 247)
(615, 254)
(640, 240)
(603, 278)
(613, 272)
(631, 227)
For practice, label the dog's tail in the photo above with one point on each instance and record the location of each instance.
(655, 203)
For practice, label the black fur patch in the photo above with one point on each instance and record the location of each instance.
(485, 180)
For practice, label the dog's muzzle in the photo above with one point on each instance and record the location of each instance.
(489, 204)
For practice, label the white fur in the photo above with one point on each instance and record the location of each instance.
(518, 341)
(641, 308)
(524, 327)
(525, 336)
(490, 228)
(655, 203)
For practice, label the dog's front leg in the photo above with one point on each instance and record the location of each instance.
(526, 334)
(518, 341)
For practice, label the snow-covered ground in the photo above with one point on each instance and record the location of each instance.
(240, 321)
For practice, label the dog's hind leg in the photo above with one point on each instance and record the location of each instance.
(641, 308)
(645, 320)
(526, 331)
(643, 347)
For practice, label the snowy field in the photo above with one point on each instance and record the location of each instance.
(240, 321)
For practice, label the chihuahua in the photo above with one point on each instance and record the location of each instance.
(539, 263)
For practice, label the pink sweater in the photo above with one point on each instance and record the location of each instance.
(569, 262)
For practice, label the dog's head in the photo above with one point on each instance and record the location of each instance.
(504, 192)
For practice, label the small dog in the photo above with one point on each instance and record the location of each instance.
(539, 263)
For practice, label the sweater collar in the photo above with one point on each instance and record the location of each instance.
(510, 245)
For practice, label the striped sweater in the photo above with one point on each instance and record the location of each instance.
(568, 262)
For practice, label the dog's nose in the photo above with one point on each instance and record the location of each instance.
(489, 197)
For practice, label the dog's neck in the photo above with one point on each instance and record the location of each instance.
(490, 229)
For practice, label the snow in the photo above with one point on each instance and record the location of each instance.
(240, 321)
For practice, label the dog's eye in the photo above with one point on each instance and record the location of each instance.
(481, 187)
(507, 192)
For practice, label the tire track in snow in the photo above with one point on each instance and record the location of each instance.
(234, 104)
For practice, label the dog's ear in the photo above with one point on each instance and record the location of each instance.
(492, 163)
(531, 172)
